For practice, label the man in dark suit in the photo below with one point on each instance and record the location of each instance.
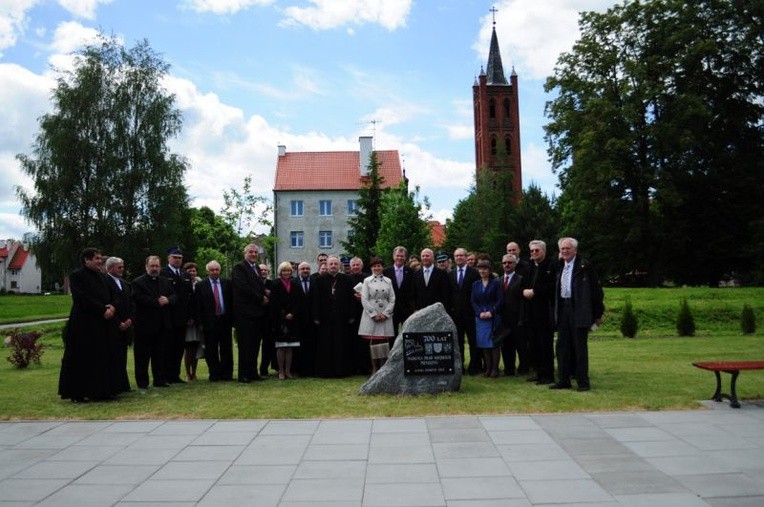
(182, 313)
(512, 285)
(578, 305)
(249, 301)
(154, 299)
(332, 314)
(403, 286)
(214, 303)
(462, 278)
(122, 323)
(538, 288)
(523, 267)
(431, 285)
(306, 353)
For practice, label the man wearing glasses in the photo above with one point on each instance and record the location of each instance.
(538, 291)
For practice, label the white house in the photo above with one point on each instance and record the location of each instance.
(316, 192)
(19, 272)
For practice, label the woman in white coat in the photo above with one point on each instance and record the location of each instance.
(378, 300)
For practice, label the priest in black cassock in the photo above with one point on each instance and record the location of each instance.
(87, 368)
(332, 314)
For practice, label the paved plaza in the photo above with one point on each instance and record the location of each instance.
(673, 458)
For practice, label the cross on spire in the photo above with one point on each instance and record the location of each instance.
(493, 10)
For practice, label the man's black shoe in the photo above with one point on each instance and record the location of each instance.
(584, 388)
(176, 380)
(161, 384)
(561, 386)
(245, 380)
(544, 381)
(532, 379)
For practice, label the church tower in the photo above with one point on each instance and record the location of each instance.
(497, 119)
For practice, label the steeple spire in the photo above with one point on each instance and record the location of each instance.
(495, 71)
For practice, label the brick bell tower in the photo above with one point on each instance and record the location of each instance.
(497, 118)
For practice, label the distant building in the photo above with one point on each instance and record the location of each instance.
(316, 192)
(437, 233)
(497, 119)
(19, 272)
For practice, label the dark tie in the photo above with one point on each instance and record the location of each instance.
(461, 277)
(305, 285)
(218, 301)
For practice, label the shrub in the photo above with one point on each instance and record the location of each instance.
(685, 322)
(24, 348)
(629, 324)
(747, 320)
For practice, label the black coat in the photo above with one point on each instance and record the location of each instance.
(248, 292)
(150, 317)
(462, 307)
(182, 285)
(205, 305)
(587, 295)
(437, 291)
(90, 347)
(404, 294)
(512, 304)
(538, 311)
(282, 304)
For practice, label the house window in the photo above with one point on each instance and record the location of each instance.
(297, 239)
(296, 208)
(14, 284)
(493, 146)
(325, 239)
(325, 208)
(352, 207)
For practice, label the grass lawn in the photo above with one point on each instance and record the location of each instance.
(15, 308)
(651, 372)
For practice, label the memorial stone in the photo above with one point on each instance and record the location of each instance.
(430, 323)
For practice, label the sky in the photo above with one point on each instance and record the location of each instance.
(313, 75)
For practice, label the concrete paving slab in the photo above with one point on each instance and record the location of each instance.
(473, 467)
(672, 458)
(406, 494)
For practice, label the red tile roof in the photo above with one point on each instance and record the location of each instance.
(332, 170)
(3, 252)
(19, 258)
(437, 233)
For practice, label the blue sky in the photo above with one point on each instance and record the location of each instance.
(249, 75)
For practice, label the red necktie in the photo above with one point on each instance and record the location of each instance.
(216, 292)
(506, 281)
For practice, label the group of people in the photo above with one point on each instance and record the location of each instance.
(333, 321)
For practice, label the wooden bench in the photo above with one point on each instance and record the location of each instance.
(733, 368)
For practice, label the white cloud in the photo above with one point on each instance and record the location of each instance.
(538, 170)
(13, 226)
(13, 20)
(82, 8)
(223, 6)
(329, 14)
(533, 34)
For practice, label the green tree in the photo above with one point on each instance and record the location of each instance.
(247, 212)
(365, 224)
(102, 170)
(656, 133)
(403, 221)
(462, 229)
(212, 238)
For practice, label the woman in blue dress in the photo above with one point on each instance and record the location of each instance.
(486, 300)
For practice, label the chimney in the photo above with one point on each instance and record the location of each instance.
(365, 154)
(282, 150)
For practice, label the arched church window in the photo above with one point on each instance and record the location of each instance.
(492, 108)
